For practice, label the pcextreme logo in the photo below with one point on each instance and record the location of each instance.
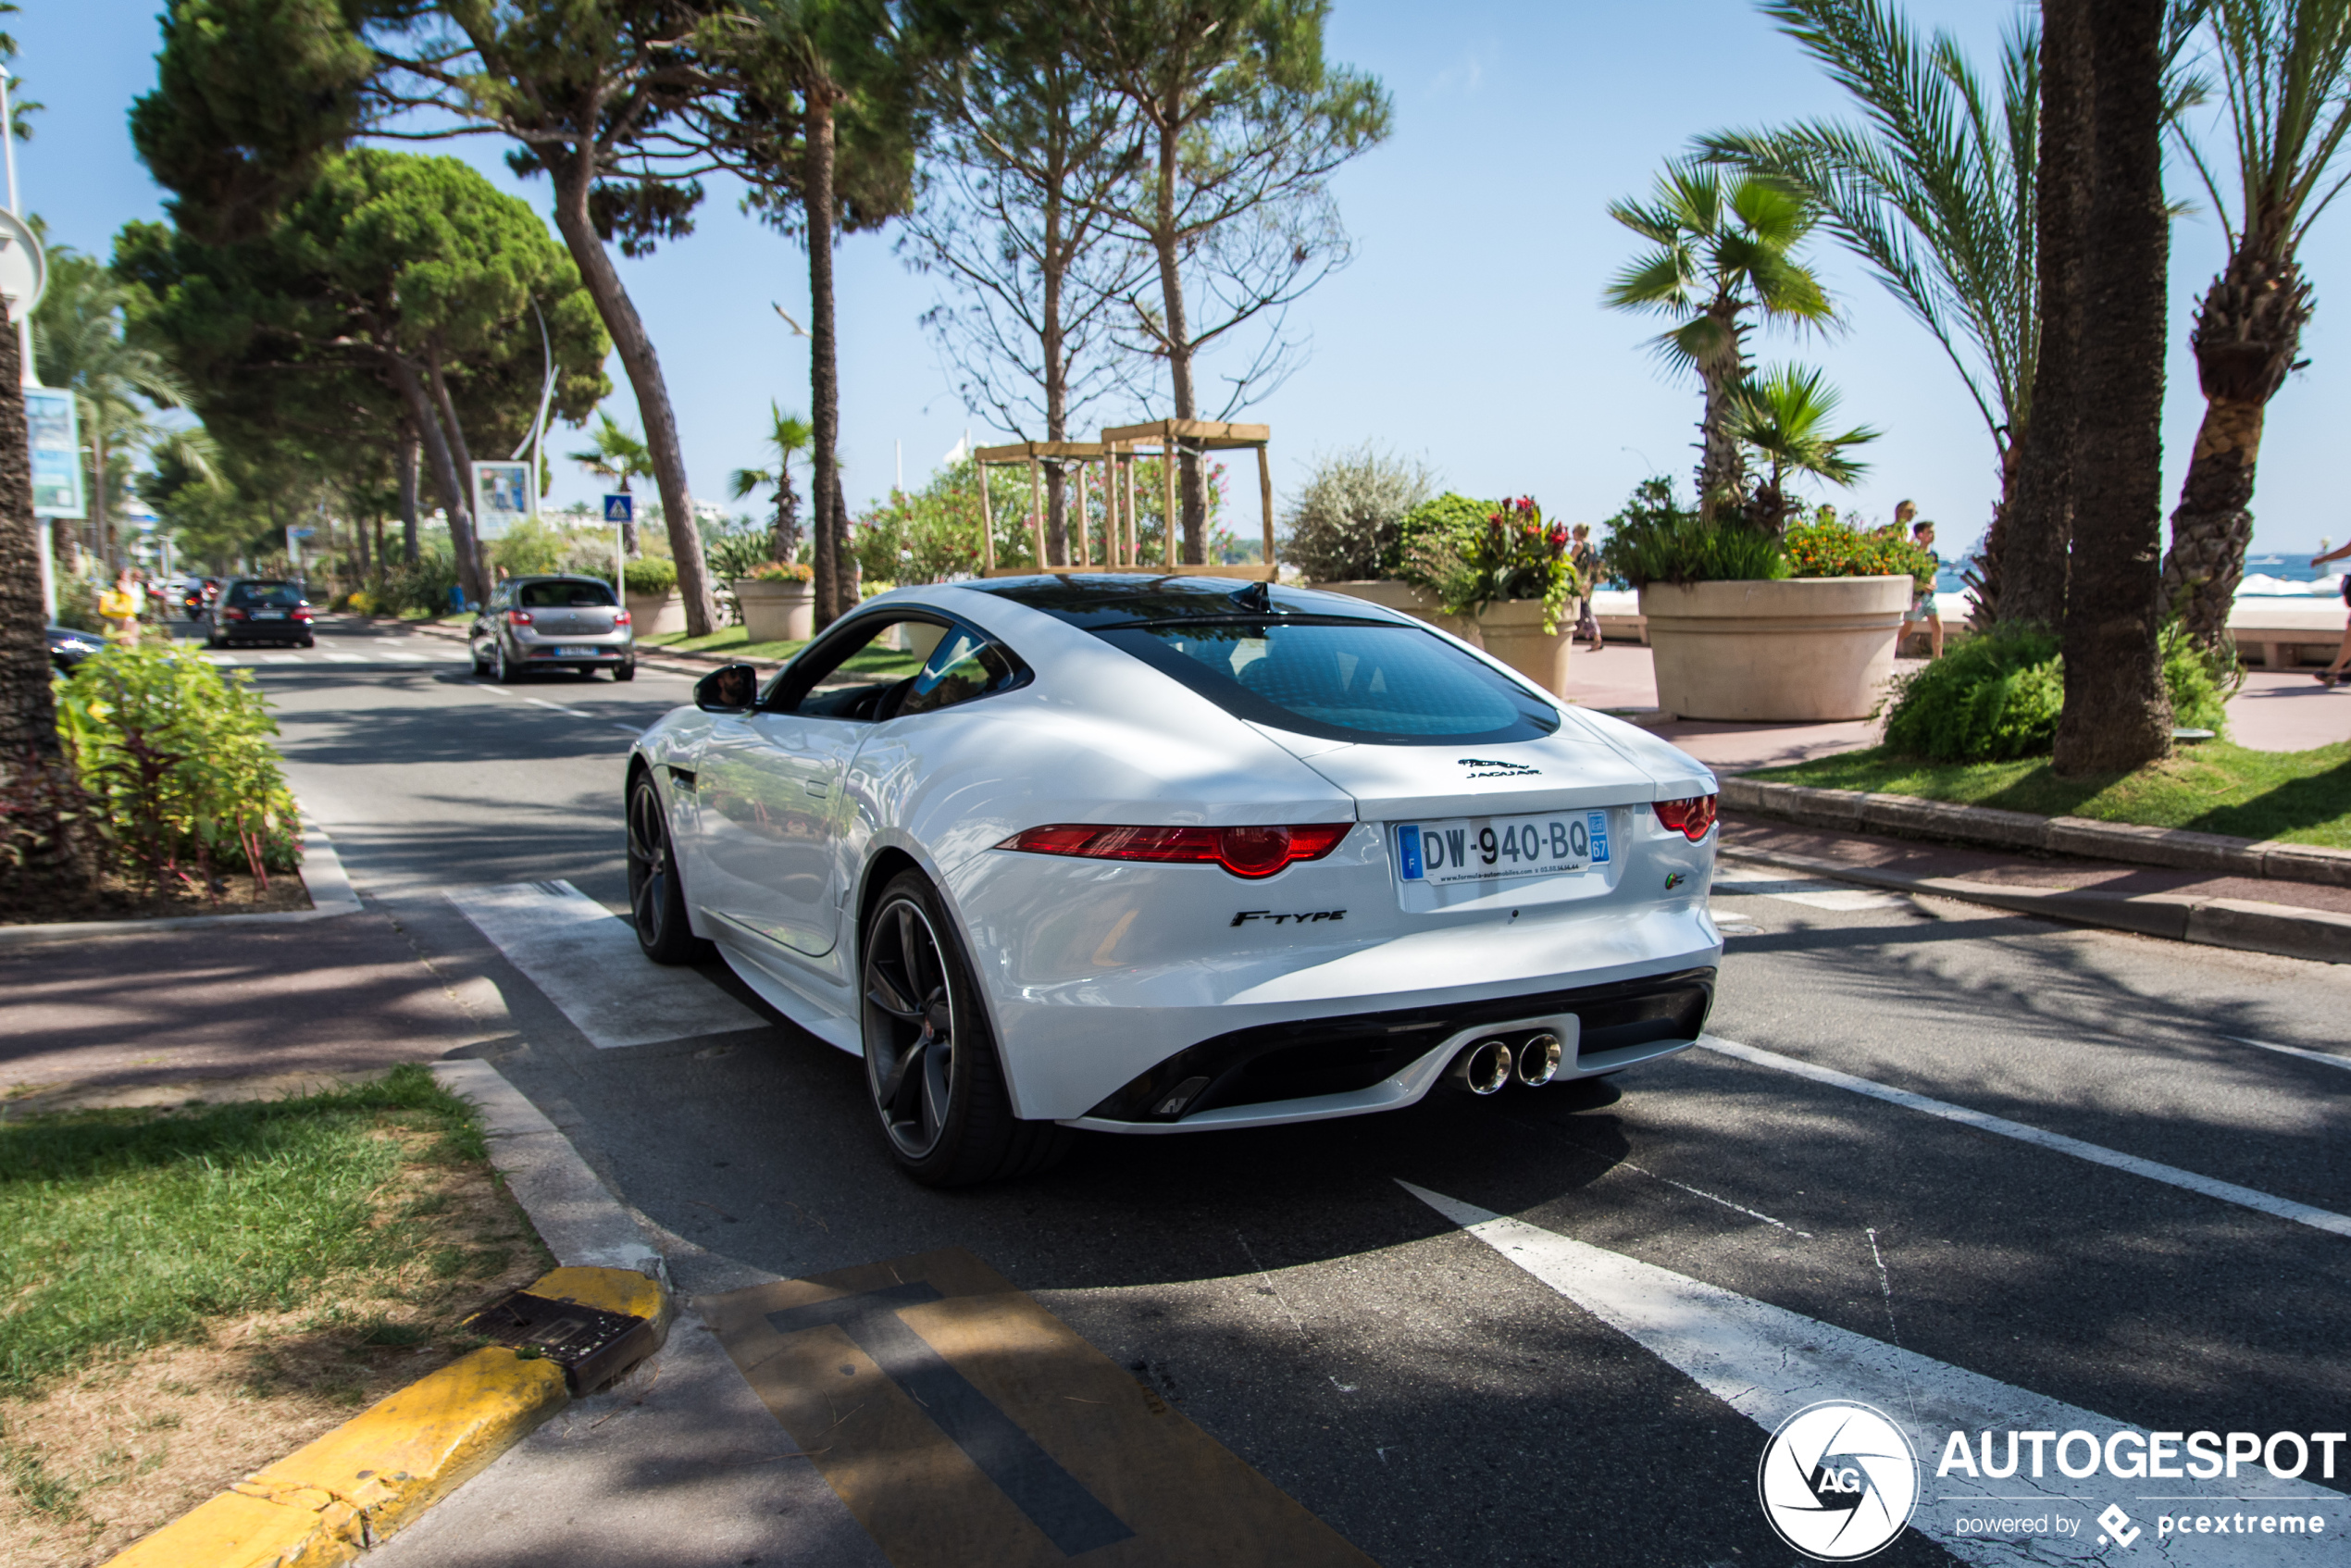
(1838, 1481)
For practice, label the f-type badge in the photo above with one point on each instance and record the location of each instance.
(1244, 916)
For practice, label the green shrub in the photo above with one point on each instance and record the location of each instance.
(78, 605)
(1998, 696)
(419, 587)
(1992, 698)
(1826, 547)
(176, 758)
(1654, 539)
(775, 571)
(1449, 524)
(1513, 555)
(651, 575)
(1343, 526)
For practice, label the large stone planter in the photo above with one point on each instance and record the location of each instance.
(777, 610)
(1512, 631)
(651, 615)
(1775, 652)
(1409, 598)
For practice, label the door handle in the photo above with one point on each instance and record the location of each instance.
(814, 788)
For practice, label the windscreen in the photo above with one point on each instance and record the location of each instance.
(1342, 680)
(284, 593)
(564, 596)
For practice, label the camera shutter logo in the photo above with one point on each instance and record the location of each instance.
(1838, 1481)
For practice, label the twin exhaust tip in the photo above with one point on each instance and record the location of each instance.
(1487, 1066)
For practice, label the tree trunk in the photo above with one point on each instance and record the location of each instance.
(844, 552)
(411, 544)
(2117, 716)
(445, 473)
(835, 596)
(101, 525)
(1982, 575)
(2246, 336)
(783, 537)
(1176, 332)
(573, 175)
(2038, 518)
(1722, 468)
(461, 454)
(28, 718)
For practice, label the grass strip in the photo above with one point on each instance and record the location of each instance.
(2300, 797)
(121, 1230)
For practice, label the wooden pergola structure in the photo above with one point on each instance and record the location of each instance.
(1118, 451)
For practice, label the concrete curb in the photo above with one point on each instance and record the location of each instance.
(2276, 929)
(331, 1499)
(322, 873)
(1855, 811)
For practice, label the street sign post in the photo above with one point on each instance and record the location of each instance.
(620, 511)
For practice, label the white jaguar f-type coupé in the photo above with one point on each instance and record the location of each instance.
(1164, 855)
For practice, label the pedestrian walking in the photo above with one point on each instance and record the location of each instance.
(2336, 673)
(118, 607)
(1585, 558)
(1923, 605)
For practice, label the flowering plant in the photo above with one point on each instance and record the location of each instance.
(1515, 556)
(1828, 546)
(780, 571)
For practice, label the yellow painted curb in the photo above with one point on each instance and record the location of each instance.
(330, 1500)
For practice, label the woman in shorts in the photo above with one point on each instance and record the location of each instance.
(2337, 672)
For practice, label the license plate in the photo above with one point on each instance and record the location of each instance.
(1493, 849)
(270, 615)
(578, 652)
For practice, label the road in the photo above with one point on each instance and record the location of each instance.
(1976, 1169)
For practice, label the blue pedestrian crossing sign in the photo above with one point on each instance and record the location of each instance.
(620, 508)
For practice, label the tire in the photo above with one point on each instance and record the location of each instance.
(500, 671)
(212, 639)
(656, 896)
(938, 1095)
(625, 670)
(307, 642)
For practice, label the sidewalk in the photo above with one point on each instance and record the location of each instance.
(2263, 914)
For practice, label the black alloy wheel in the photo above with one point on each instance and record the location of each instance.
(656, 896)
(930, 1063)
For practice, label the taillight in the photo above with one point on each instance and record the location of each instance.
(621, 619)
(236, 615)
(303, 614)
(1690, 818)
(1244, 852)
(517, 617)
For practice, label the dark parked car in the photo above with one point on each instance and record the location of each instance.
(552, 623)
(259, 610)
(69, 647)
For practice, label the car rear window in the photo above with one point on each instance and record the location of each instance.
(286, 593)
(564, 596)
(1344, 680)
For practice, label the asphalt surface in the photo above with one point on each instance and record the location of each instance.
(1426, 1396)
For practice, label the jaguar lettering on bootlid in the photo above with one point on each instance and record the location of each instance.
(1490, 769)
(1243, 918)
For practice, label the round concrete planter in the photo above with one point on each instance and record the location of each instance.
(651, 615)
(1409, 598)
(1512, 631)
(1775, 652)
(777, 610)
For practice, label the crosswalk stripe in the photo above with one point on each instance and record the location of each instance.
(589, 964)
(1767, 1363)
(2171, 1175)
(344, 658)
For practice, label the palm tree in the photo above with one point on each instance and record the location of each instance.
(789, 437)
(1935, 190)
(619, 457)
(1724, 244)
(78, 343)
(1783, 417)
(2285, 72)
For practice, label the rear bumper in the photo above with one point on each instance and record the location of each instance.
(1315, 1069)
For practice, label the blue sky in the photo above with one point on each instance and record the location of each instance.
(1468, 330)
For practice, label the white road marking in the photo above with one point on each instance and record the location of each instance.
(2171, 1176)
(226, 661)
(629, 729)
(1817, 893)
(344, 658)
(558, 707)
(2343, 1062)
(1767, 1362)
(587, 962)
(280, 659)
(404, 658)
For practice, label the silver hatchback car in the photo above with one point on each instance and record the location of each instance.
(537, 622)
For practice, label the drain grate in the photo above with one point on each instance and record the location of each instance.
(591, 1344)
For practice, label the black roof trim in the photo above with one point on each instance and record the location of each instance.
(1105, 599)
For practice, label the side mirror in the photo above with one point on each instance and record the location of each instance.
(730, 688)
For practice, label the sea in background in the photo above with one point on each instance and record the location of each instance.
(2265, 577)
